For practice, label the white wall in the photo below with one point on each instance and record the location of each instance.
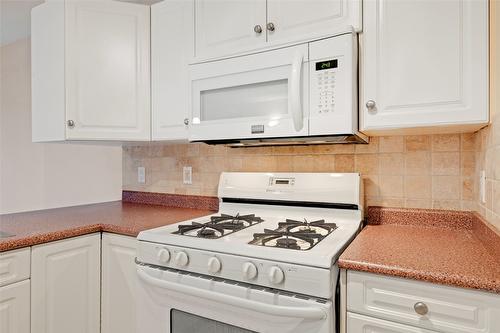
(38, 176)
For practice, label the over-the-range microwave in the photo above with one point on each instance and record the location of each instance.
(305, 93)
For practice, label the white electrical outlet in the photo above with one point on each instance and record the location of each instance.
(187, 175)
(482, 186)
(141, 175)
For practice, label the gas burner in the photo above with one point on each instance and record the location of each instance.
(238, 220)
(318, 226)
(218, 226)
(294, 235)
(201, 230)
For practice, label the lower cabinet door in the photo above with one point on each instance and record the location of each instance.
(119, 279)
(15, 308)
(357, 323)
(65, 285)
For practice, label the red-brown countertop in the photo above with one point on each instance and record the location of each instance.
(124, 218)
(451, 248)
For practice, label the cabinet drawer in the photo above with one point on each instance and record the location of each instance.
(452, 310)
(15, 308)
(14, 266)
(358, 323)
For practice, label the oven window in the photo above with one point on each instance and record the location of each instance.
(183, 322)
(263, 99)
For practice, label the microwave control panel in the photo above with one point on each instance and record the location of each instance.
(325, 73)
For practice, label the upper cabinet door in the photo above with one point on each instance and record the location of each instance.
(424, 65)
(107, 70)
(171, 26)
(227, 27)
(296, 20)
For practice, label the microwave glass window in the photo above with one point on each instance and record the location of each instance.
(183, 322)
(325, 65)
(262, 99)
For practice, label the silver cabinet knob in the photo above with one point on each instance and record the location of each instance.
(421, 308)
(371, 105)
(270, 26)
(186, 121)
(257, 29)
(70, 123)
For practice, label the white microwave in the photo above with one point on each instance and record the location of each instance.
(305, 93)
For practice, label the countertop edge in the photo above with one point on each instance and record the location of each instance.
(449, 280)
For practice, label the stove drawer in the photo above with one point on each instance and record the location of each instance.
(14, 266)
(435, 307)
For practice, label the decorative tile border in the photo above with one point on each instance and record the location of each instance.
(171, 200)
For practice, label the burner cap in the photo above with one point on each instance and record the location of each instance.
(287, 242)
(206, 233)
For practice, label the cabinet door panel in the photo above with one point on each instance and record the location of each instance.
(107, 70)
(305, 20)
(118, 284)
(358, 323)
(65, 283)
(15, 308)
(424, 63)
(171, 24)
(226, 27)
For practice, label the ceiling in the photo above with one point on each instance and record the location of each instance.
(15, 18)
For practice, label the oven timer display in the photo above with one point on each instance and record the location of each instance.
(328, 64)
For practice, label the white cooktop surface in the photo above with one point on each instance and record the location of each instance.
(323, 254)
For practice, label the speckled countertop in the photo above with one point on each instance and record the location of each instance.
(124, 218)
(445, 247)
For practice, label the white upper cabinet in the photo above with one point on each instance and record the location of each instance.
(226, 27)
(172, 23)
(292, 20)
(424, 66)
(90, 71)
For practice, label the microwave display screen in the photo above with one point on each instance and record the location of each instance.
(324, 65)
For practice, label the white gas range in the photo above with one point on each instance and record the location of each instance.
(264, 263)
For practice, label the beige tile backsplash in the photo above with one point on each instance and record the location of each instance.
(487, 156)
(430, 171)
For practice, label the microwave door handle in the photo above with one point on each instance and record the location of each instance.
(313, 313)
(295, 98)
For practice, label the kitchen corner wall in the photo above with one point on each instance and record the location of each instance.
(429, 171)
(39, 176)
(488, 139)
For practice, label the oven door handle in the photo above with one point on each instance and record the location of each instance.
(313, 313)
(295, 96)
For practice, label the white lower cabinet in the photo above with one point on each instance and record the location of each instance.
(118, 287)
(65, 285)
(15, 307)
(417, 306)
(359, 323)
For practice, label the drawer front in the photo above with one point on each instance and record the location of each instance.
(14, 266)
(357, 323)
(15, 308)
(452, 310)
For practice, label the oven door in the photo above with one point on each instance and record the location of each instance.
(262, 95)
(171, 301)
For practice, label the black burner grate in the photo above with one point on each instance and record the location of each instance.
(295, 235)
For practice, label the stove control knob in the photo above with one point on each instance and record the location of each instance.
(181, 259)
(249, 271)
(276, 275)
(163, 256)
(214, 265)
